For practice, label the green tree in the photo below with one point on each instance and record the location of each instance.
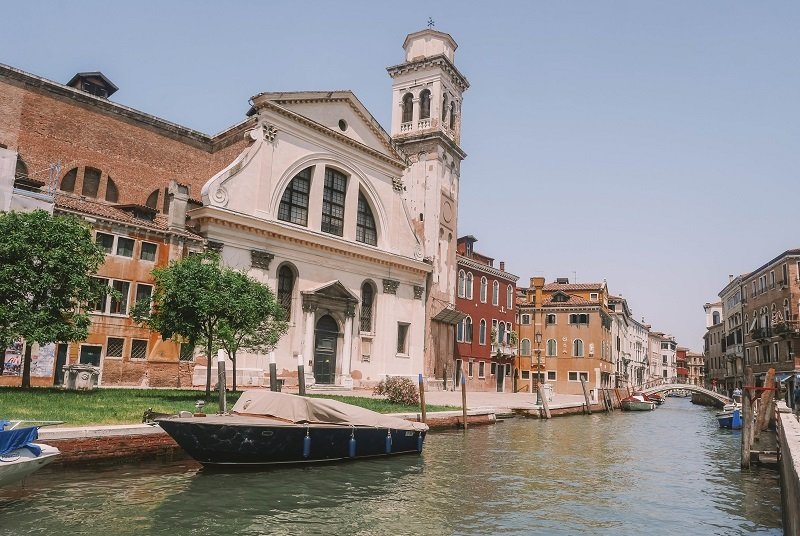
(256, 321)
(46, 264)
(190, 300)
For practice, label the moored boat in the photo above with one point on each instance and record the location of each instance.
(637, 403)
(265, 428)
(730, 417)
(20, 455)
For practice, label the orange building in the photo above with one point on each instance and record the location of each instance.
(568, 329)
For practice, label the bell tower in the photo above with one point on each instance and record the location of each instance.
(427, 92)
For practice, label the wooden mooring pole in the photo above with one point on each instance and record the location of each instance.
(545, 403)
(747, 417)
(586, 396)
(765, 404)
(464, 399)
(301, 377)
(422, 397)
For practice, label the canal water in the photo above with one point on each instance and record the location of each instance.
(671, 471)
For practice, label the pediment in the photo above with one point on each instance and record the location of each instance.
(332, 289)
(339, 112)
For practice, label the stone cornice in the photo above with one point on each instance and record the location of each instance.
(439, 60)
(404, 141)
(461, 260)
(305, 238)
(107, 107)
(167, 233)
(398, 161)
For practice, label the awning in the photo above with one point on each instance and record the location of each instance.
(783, 376)
(449, 316)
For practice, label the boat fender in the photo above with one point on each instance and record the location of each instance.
(306, 445)
(389, 441)
(351, 445)
(419, 442)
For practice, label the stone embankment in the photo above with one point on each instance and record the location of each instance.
(788, 431)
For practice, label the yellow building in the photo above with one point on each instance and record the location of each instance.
(565, 334)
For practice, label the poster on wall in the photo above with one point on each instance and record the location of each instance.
(42, 360)
(13, 362)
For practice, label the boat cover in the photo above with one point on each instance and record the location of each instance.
(302, 410)
(19, 438)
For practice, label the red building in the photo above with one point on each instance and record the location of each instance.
(681, 368)
(486, 342)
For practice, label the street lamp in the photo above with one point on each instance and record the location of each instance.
(538, 338)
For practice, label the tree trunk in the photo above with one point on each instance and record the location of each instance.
(26, 365)
(209, 351)
(2, 359)
(233, 358)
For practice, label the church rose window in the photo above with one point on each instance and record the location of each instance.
(294, 203)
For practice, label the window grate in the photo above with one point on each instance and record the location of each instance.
(114, 347)
(138, 349)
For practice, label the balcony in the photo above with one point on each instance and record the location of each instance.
(760, 333)
(786, 328)
(503, 350)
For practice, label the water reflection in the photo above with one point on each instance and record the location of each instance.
(671, 469)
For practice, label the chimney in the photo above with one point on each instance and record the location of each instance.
(178, 198)
(502, 266)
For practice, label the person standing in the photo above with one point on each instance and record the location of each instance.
(796, 396)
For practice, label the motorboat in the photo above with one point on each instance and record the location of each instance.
(637, 402)
(730, 416)
(266, 427)
(20, 455)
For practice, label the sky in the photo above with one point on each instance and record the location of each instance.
(650, 144)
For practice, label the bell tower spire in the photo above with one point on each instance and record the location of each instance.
(427, 93)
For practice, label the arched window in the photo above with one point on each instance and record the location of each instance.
(577, 348)
(294, 203)
(152, 200)
(68, 180)
(509, 297)
(367, 306)
(468, 329)
(786, 310)
(112, 194)
(91, 182)
(525, 347)
(425, 104)
(482, 331)
(484, 288)
(365, 223)
(501, 332)
(333, 195)
(715, 318)
(495, 293)
(462, 283)
(444, 107)
(286, 289)
(552, 347)
(460, 331)
(408, 108)
(453, 115)
(468, 290)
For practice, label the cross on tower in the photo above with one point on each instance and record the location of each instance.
(430, 22)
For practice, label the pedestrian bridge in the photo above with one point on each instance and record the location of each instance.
(722, 399)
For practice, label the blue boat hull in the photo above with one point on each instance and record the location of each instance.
(731, 420)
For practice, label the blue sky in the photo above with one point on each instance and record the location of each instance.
(651, 144)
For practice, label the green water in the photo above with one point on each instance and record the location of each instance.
(671, 471)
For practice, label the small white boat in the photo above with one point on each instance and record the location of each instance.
(637, 402)
(19, 454)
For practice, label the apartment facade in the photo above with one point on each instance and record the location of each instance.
(715, 362)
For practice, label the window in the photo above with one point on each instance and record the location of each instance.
(495, 293)
(452, 115)
(664, 373)
(112, 194)
(510, 297)
(576, 376)
(187, 352)
(552, 347)
(469, 369)
(125, 246)
(286, 289)
(460, 331)
(101, 305)
(481, 369)
(138, 348)
(551, 375)
(493, 369)
(68, 180)
(402, 336)
(579, 319)
(484, 285)
(468, 329)
(105, 241)
(526, 374)
(119, 304)
(152, 200)
(408, 108)
(525, 320)
(148, 252)
(144, 292)
(114, 347)
(294, 203)
(594, 296)
(91, 182)
(425, 104)
(333, 195)
(550, 319)
(462, 283)
(469, 282)
(525, 347)
(367, 297)
(365, 223)
(663, 360)
(444, 112)
(482, 331)
(577, 348)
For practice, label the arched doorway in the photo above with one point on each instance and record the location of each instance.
(325, 335)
